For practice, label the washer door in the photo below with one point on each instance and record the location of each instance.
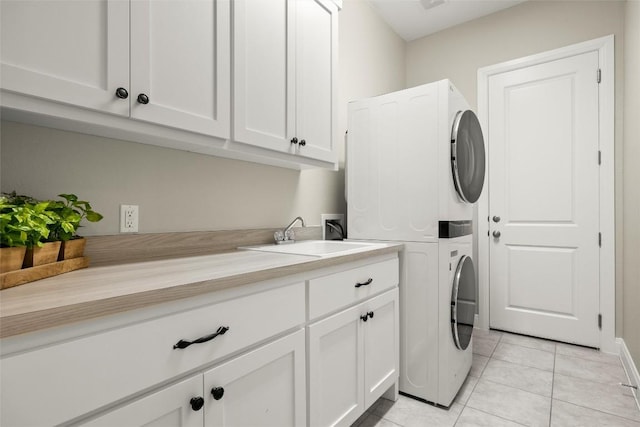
(467, 156)
(463, 302)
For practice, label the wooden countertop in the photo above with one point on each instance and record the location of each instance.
(94, 292)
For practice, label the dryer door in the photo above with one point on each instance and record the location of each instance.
(463, 302)
(467, 156)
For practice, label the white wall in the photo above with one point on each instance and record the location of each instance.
(528, 28)
(631, 291)
(180, 191)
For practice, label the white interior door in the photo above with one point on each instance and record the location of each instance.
(544, 187)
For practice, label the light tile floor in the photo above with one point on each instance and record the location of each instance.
(517, 380)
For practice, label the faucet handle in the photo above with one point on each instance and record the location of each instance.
(278, 236)
(289, 235)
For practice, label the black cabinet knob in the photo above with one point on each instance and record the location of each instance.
(122, 93)
(196, 403)
(364, 318)
(143, 99)
(370, 314)
(294, 140)
(217, 393)
(303, 143)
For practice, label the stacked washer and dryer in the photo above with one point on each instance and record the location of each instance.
(415, 165)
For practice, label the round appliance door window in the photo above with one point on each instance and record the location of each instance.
(467, 156)
(463, 302)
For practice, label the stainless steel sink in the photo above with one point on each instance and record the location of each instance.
(317, 248)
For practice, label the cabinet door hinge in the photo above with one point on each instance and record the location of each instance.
(600, 239)
(600, 321)
(599, 157)
(599, 76)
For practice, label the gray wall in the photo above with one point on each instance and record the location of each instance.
(631, 260)
(180, 191)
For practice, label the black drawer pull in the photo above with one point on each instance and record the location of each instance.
(368, 282)
(184, 344)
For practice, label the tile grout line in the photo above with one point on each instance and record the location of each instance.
(553, 381)
(496, 416)
(600, 411)
(479, 377)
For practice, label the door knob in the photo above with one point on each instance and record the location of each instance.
(303, 143)
(294, 140)
(122, 93)
(143, 99)
(496, 234)
(496, 218)
(217, 393)
(197, 403)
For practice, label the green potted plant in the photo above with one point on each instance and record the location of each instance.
(37, 219)
(69, 213)
(25, 223)
(13, 237)
(34, 219)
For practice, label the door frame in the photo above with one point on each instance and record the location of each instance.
(605, 48)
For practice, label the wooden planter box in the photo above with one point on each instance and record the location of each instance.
(40, 263)
(11, 258)
(72, 249)
(46, 254)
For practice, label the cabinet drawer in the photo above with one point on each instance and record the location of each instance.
(69, 379)
(329, 293)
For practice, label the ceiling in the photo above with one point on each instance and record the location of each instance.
(413, 19)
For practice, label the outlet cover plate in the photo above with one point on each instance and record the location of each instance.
(129, 218)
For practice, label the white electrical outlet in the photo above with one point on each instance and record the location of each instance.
(328, 233)
(128, 218)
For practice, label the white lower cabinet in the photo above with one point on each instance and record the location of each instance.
(353, 360)
(278, 354)
(171, 406)
(265, 387)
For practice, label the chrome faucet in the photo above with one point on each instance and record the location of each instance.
(335, 226)
(287, 235)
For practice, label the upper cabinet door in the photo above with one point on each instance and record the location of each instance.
(180, 64)
(264, 73)
(316, 63)
(76, 52)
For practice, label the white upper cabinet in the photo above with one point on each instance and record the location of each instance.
(75, 52)
(180, 64)
(285, 58)
(162, 72)
(316, 62)
(165, 62)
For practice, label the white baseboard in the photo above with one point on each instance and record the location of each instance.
(630, 368)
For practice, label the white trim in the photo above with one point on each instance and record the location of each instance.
(630, 368)
(605, 48)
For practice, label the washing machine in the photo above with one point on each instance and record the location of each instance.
(415, 166)
(457, 309)
(437, 311)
